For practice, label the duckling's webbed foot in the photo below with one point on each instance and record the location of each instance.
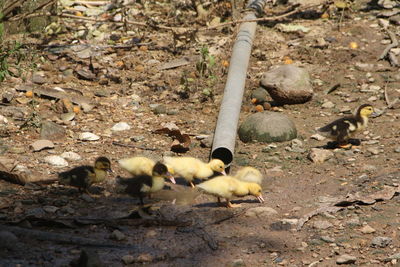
(230, 205)
(345, 145)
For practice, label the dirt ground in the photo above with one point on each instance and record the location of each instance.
(188, 228)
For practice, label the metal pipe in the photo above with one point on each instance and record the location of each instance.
(226, 129)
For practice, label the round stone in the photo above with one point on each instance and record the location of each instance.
(267, 127)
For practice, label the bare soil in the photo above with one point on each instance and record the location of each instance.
(188, 228)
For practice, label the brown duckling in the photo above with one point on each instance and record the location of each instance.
(142, 185)
(83, 177)
(341, 130)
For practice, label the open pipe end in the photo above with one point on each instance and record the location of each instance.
(223, 154)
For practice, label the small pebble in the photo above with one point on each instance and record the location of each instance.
(70, 155)
(56, 161)
(87, 136)
(121, 126)
(346, 259)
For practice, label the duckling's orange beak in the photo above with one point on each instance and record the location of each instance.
(223, 172)
(260, 198)
(171, 178)
(110, 170)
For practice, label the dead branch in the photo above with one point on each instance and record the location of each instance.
(394, 44)
(297, 10)
(389, 103)
(133, 146)
(62, 238)
(33, 12)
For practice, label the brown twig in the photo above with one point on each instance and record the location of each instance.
(133, 146)
(389, 103)
(299, 9)
(33, 13)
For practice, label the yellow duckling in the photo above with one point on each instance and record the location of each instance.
(140, 166)
(249, 174)
(341, 130)
(228, 187)
(142, 185)
(190, 168)
(84, 176)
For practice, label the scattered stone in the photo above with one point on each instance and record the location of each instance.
(159, 109)
(121, 126)
(56, 161)
(207, 141)
(368, 168)
(318, 137)
(392, 257)
(260, 212)
(3, 120)
(67, 116)
(267, 127)
(87, 136)
(397, 150)
(381, 241)
(41, 144)
(318, 155)
(70, 155)
(38, 78)
(50, 209)
(128, 259)
(327, 239)
(259, 95)
(35, 212)
(117, 235)
(85, 74)
(322, 225)
(102, 93)
(328, 104)
(137, 138)
(51, 131)
(87, 198)
(292, 222)
(292, 28)
(367, 229)
(346, 259)
(145, 257)
(373, 150)
(355, 221)
(288, 84)
(237, 263)
(8, 240)
(364, 66)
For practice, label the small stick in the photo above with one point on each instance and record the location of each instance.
(333, 88)
(394, 44)
(133, 146)
(260, 19)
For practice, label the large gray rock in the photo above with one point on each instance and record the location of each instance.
(51, 131)
(288, 84)
(267, 127)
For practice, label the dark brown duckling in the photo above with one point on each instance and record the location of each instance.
(341, 130)
(143, 185)
(83, 177)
